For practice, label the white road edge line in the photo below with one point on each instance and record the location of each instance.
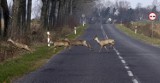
(127, 67)
(123, 61)
(121, 58)
(130, 73)
(135, 81)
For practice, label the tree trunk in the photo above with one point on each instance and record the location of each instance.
(61, 11)
(15, 19)
(66, 13)
(44, 11)
(71, 7)
(52, 17)
(22, 18)
(29, 7)
(4, 17)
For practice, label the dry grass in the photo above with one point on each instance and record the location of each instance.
(142, 37)
(6, 51)
(145, 28)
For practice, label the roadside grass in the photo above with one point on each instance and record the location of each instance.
(14, 68)
(80, 30)
(149, 40)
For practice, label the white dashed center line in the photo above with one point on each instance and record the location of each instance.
(130, 73)
(127, 67)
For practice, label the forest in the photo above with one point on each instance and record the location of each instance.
(57, 16)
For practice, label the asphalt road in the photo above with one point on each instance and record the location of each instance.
(131, 61)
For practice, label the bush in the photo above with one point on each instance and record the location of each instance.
(6, 51)
(66, 31)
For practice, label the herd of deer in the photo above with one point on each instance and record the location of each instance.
(68, 43)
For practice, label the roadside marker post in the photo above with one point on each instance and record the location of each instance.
(83, 17)
(135, 31)
(152, 17)
(84, 23)
(48, 39)
(75, 30)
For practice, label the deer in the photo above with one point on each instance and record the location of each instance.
(60, 43)
(104, 43)
(79, 43)
(20, 45)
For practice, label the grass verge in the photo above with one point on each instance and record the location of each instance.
(29, 62)
(141, 37)
(80, 30)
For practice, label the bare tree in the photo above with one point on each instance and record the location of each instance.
(4, 17)
(21, 13)
(29, 7)
(22, 16)
(44, 13)
(15, 19)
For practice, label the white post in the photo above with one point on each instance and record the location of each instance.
(83, 16)
(75, 30)
(83, 23)
(135, 30)
(48, 33)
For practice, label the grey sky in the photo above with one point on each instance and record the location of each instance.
(133, 3)
(143, 2)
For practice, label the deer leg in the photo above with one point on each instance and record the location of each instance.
(106, 48)
(54, 48)
(100, 49)
(27, 48)
(89, 46)
(86, 44)
(69, 48)
(111, 45)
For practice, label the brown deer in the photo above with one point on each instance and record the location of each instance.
(79, 43)
(19, 45)
(104, 42)
(60, 43)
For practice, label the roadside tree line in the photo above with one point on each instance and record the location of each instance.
(54, 14)
(122, 12)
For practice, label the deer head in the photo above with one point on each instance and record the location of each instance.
(10, 40)
(96, 37)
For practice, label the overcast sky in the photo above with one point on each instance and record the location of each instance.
(143, 2)
(133, 3)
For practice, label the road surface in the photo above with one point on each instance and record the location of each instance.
(130, 61)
